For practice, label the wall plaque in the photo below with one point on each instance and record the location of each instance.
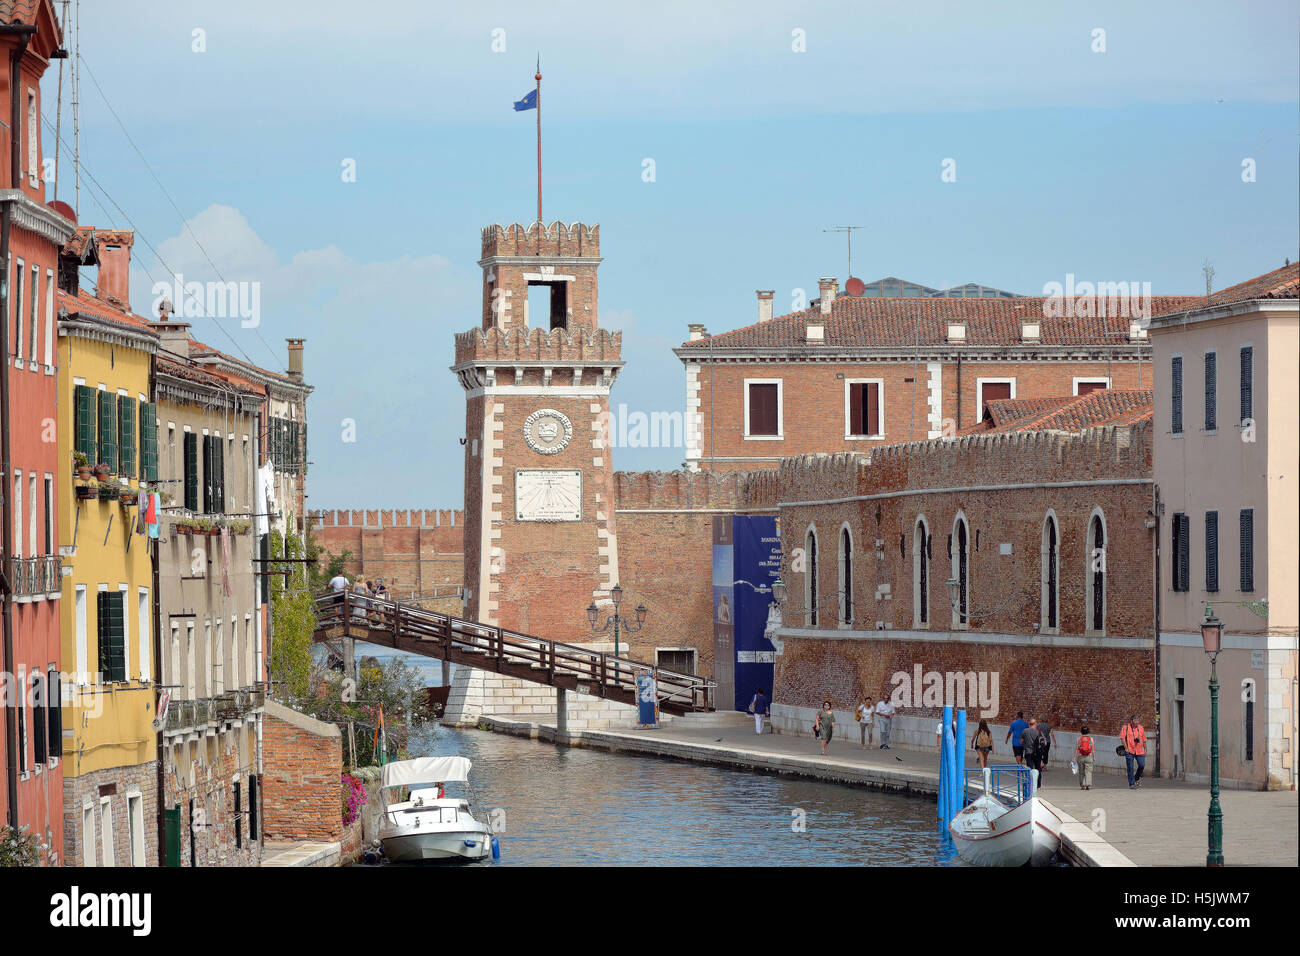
(547, 431)
(548, 494)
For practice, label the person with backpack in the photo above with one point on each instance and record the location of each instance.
(1085, 756)
(983, 743)
(1014, 733)
(758, 707)
(1045, 729)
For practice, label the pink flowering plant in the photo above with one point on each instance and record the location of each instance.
(355, 796)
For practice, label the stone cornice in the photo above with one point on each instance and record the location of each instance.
(81, 325)
(539, 260)
(185, 391)
(278, 387)
(1232, 310)
(831, 354)
(38, 218)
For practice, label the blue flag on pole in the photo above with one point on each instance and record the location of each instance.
(529, 102)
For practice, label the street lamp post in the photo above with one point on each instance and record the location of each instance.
(1212, 638)
(616, 620)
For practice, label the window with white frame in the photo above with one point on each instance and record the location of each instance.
(88, 856)
(49, 319)
(1050, 575)
(864, 415)
(20, 275)
(144, 638)
(135, 815)
(989, 390)
(959, 552)
(764, 419)
(1085, 386)
(34, 301)
(106, 832)
(1096, 593)
(810, 577)
(921, 548)
(33, 140)
(846, 576)
(83, 649)
(18, 514)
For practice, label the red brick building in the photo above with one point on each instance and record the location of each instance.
(31, 742)
(853, 371)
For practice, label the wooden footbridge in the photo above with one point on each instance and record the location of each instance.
(416, 630)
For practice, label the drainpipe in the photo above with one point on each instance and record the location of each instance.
(23, 34)
(959, 392)
(156, 670)
(1155, 550)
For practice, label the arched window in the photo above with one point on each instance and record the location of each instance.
(1051, 574)
(846, 575)
(810, 578)
(1096, 610)
(921, 573)
(960, 552)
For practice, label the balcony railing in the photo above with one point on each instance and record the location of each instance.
(32, 576)
(192, 714)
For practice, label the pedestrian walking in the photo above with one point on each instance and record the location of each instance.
(1031, 742)
(825, 725)
(866, 717)
(758, 707)
(885, 718)
(1045, 748)
(1085, 756)
(982, 743)
(1134, 736)
(1014, 733)
(360, 605)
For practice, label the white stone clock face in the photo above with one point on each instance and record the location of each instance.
(547, 431)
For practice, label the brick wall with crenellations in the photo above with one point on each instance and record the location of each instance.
(302, 783)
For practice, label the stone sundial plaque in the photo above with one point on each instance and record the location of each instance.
(548, 494)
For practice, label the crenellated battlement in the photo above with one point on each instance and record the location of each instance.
(695, 490)
(538, 346)
(536, 239)
(379, 518)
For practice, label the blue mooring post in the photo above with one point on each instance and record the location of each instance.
(945, 769)
(960, 754)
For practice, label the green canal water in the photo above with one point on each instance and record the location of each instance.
(575, 806)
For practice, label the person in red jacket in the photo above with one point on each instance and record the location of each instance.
(1135, 750)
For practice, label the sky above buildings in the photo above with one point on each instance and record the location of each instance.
(1115, 156)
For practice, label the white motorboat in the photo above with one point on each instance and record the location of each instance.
(998, 828)
(430, 826)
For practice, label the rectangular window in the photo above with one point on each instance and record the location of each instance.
(84, 430)
(763, 410)
(18, 514)
(33, 145)
(49, 514)
(54, 687)
(142, 631)
(21, 708)
(238, 818)
(83, 650)
(106, 832)
(111, 635)
(1086, 386)
(252, 806)
(88, 835)
(33, 352)
(191, 442)
(1211, 391)
(1211, 551)
(1247, 549)
(135, 813)
(40, 717)
(108, 429)
(864, 418)
(33, 516)
(1247, 383)
(20, 276)
(1176, 393)
(1181, 577)
(126, 443)
(49, 318)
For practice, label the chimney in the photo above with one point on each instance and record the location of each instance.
(1136, 331)
(113, 247)
(765, 304)
(828, 287)
(696, 332)
(295, 358)
(957, 332)
(1030, 332)
(815, 333)
(173, 337)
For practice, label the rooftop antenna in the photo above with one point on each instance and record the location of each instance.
(848, 234)
(1207, 270)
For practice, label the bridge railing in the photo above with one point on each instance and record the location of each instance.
(498, 645)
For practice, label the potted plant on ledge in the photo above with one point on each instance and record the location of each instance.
(81, 465)
(129, 497)
(86, 493)
(109, 491)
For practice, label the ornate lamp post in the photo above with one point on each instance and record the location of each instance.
(616, 620)
(1212, 638)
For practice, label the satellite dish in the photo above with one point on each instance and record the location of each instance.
(855, 286)
(64, 210)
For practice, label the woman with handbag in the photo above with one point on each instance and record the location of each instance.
(982, 743)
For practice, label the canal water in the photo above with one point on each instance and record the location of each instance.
(576, 806)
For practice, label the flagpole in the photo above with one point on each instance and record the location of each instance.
(538, 77)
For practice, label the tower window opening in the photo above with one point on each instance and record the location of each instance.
(548, 302)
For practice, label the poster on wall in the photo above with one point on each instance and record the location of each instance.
(724, 654)
(756, 561)
(647, 699)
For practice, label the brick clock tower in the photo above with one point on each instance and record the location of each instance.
(540, 542)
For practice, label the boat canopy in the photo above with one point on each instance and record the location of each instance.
(425, 770)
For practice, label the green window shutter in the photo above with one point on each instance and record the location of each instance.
(84, 430)
(191, 471)
(221, 476)
(148, 441)
(126, 435)
(108, 429)
(112, 636)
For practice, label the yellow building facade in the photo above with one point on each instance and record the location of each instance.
(109, 692)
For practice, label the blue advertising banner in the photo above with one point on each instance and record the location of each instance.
(647, 700)
(756, 564)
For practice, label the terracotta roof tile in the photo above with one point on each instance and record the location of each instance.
(1283, 283)
(1107, 406)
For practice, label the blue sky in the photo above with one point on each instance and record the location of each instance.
(1117, 165)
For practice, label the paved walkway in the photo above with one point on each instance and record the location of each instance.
(304, 853)
(1161, 824)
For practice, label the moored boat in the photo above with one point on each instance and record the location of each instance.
(1006, 826)
(430, 826)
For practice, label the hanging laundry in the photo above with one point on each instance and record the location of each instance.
(141, 510)
(265, 498)
(151, 517)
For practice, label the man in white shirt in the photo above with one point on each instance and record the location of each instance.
(866, 717)
(338, 583)
(884, 717)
